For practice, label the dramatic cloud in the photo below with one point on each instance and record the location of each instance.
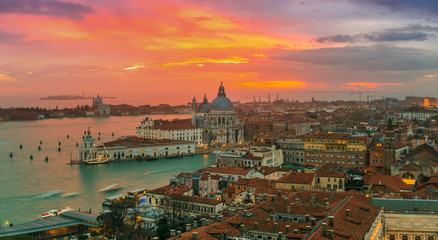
(10, 38)
(53, 8)
(384, 36)
(201, 61)
(272, 84)
(418, 6)
(355, 85)
(364, 58)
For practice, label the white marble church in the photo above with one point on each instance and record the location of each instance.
(218, 120)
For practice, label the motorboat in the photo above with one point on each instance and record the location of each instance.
(54, 212)
(148, 173)
(110, 188)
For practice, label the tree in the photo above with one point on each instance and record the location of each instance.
(114, 221)
(163, 228)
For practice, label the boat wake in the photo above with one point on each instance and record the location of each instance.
(3, 143)
(49, 194)
(111, 188)
(71, 194)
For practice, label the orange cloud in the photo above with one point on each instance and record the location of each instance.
(200, 61)
(355, 85)
(272, 84)
(6, 78)
(431, 76)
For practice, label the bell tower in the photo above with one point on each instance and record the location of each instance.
(426, 101)
(389, 146)
(88, 142)
(194, 112)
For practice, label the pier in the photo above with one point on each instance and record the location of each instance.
(67, 223)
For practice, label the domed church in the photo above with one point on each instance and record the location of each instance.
(218, 120)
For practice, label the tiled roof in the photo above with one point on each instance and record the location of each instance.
(406, 204)
(227, 170)
(392, 183)
(169, 190)
(333, 136)
(329, 173)
(297, 178)
(203, 200)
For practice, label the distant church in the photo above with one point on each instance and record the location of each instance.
(102, 108)
(218, 120)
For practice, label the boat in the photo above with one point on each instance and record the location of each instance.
(148, 173)
(54, 212)
(71, 194)
(110, 188)
(98, 155)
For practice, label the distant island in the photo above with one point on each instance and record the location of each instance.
(70, 97)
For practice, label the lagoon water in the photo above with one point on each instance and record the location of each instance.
(29, 188)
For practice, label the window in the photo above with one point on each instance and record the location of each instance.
(340, 186)
(417, 238)
(405, 237)
(391, 237)
(329, 186)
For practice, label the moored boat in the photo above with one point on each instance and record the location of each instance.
(54, 212)
(98, 155)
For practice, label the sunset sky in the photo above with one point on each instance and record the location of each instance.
(167, 51)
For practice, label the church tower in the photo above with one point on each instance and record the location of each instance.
(88, 142)
(426, 101)
(194, 112)
(389, 147)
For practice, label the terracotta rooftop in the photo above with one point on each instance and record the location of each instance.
(169, 190)
(330, 173)
(297, 178)
(391, 183)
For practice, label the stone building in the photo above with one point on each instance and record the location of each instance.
(409, 219)
(218, 120)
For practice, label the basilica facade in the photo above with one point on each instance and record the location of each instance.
(218, 120)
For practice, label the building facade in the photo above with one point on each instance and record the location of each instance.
(218, 120)
(341, 149)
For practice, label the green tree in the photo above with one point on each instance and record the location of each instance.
(163, 228)
(114, 222)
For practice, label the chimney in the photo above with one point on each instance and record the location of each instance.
(195, 236)
(331, 221)
(265, 196)
(257, 200)
(347, 212)
(288, 209)
(173, 233)
(297, 201)
(188, 227)
(307, 216)
(327, 206)
(242, 228)
(287, 229)
(308, 228)
(245, 212)
(285, 200)
(280, 236)
(207, 222)
(313, 220)
(330, 234)
(195, 224)
(296, 231)
(256, 226)
(275, 227)
(324, 229)
(221, 218)
(178, 234)
(273, 199)
(313, 198)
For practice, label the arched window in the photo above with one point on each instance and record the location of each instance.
(391, 237)
(405, 237)
(417, 238)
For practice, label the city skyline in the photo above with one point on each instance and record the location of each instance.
(170, 51)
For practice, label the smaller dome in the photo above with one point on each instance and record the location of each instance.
(204, 108)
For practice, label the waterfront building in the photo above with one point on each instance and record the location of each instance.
(129, 147)
(174, 130)
(178, 202)
(218, 120)
(341, 149)
(410, 219)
